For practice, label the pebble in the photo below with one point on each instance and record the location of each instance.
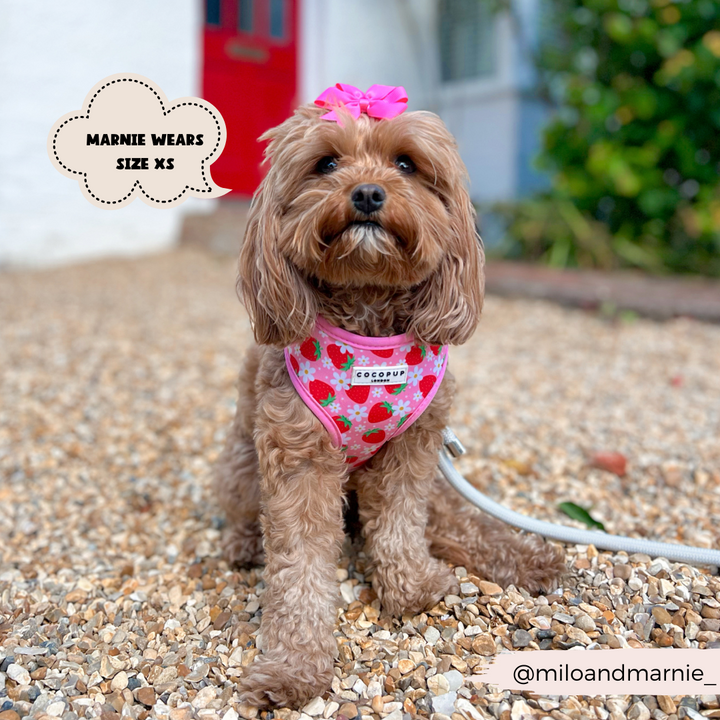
(444, 703)
(622, 571)
(56, 709)
(521, 711)
(455, 680)
(406, 666)
(489, 588)
(18, 673)
(120, 681)
(315, 707)
(635, 584)
(585, 623)
(204, 697)
(431, 635)
(666, 704)
(182, 712)
(145, 695)
(638, 711)
(249, 712)
(521, 638)
(547, 705)
(349, 710)
(574, 634)
(438, 684)
(661, 615)
(484, 645)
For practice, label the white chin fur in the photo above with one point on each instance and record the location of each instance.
(366, 239)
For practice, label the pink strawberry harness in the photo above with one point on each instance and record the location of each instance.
(364, 390)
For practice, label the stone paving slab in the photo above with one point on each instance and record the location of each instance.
(661, 298)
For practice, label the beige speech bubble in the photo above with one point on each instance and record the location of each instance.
(129, 141)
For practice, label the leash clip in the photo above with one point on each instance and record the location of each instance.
(452, 444)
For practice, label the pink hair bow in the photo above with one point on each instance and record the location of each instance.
(380, 101)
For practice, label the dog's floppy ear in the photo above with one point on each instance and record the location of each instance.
(281, 306)
(448, 304)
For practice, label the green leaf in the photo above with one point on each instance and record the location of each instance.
(577, 513)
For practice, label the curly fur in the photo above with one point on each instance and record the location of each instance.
(417, 268)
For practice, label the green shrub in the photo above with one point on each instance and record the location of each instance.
(634, 150)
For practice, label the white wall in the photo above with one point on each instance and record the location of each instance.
(395, 42)
(496, 127)
(368, 42)
(51, 55)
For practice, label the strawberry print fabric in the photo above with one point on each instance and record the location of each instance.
(362, 418)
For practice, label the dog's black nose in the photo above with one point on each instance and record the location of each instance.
(368, 198)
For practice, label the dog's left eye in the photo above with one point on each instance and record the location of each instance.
(405, 164)
(326, 165)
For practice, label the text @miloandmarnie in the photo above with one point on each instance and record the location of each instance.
(666, 671)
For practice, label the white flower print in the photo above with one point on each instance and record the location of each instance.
(345, 348)
(327, 362)
(402, 362)
(406, 348)
(401, 407)
(306, 371)
(377, 392)
(359, 428)
(356, 446)
(334, 407)
(438, 365)
(415, 375)
(357, 413)
(323, 333)
(296, 349)
(340, 381)
(418, 396)
(362, 360)
(390, 427)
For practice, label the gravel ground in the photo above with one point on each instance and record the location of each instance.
(116, 394)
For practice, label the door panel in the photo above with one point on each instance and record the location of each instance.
(249, 74)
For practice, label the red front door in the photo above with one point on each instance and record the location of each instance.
(249, 75)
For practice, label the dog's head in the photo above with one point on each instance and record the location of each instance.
(362, 203)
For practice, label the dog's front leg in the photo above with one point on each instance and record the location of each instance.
(302, 500)
(392, 494)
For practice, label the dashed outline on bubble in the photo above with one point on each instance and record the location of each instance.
(137, 182)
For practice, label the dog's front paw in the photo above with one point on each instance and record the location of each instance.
(411, 589)
(285, 679)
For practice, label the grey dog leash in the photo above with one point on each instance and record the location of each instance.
(575, 536)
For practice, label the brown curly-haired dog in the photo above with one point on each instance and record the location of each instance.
(409, 262)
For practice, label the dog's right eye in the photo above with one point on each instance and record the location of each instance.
(326, 165)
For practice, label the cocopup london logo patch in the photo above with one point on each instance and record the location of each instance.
(380, 375)
(128, 141)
